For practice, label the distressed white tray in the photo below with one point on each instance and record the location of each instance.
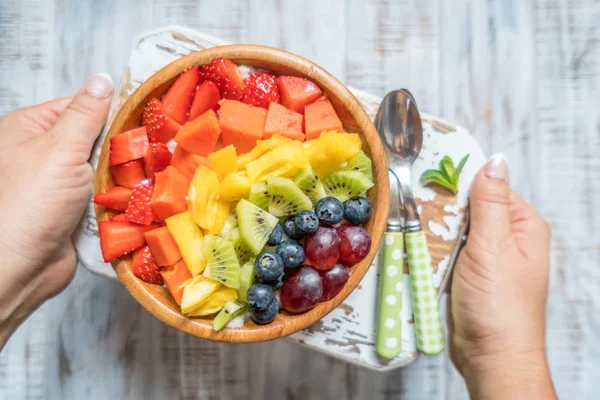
(347, 333)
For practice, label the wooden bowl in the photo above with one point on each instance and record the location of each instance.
(157, 299)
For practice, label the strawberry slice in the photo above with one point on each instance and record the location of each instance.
(158, 157)
(139, 210)
(128, 146)
(116, 198)
(144, 267)
(207, 97)
(178, 100)
(119, 217)
(226, 76)
(160, 127)
(118, 238)
(128, 174)
(296, 92)
(261, 90)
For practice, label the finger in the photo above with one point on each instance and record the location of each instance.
(490, 217)
(46, 114)
(83, 118)
(526, 222)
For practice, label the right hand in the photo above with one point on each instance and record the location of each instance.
(499, 292)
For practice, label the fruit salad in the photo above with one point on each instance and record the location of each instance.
(258, 209)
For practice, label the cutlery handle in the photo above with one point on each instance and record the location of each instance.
(428, 324)
(389, 312)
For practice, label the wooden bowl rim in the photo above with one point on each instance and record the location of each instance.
(247, 54)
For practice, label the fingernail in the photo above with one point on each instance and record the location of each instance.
(100, 85)
(496, 167)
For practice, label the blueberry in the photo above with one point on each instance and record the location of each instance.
(329, 210)
(276, 236)
(291, 252)
(260, 297)
(289, 227)
(306, 222)
(276, 284)
(268, 266)
(357, 210)
(265, 316)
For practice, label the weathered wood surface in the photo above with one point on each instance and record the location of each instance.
(523, 76)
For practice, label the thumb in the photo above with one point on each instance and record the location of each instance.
(81, 122)
(490, 216)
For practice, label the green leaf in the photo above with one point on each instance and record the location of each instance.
(461, 164)
(435, 176)
(447, 168)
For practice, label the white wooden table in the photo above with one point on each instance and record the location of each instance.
(522, 75)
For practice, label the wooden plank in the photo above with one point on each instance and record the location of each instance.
(25, 78)
(568, 140)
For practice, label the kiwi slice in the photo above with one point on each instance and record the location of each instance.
(230, 310)
(255, 225)
(346, 184)
(310, 184)
(230, 223)
(242, 251)
(246, 280)
(361, 163)
(259, 195)
(285, 198)
(222, 264)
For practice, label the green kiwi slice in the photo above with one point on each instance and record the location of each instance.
(259, 195)
(230, 223)
(242, 251)
(285, 198)
(246, 280)
(255, 225)
(230, 310)
(361, 163)
(346, 184)
(222, 264)
(310, 184)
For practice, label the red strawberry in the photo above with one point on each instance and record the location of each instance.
(226, 76)
(160, 127)
(128, 174)
(158, 157)
(118, 238)
(116, 198)
(144, 267)
(261, 90)
(119, 217)
(178, 100)
(139, 210)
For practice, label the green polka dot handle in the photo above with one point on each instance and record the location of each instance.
(389, 314)
(428, 324)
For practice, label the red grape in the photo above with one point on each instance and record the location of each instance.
(322, 248)
(302, 289)
(334, 280)
(355, 243)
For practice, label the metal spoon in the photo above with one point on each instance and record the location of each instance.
(399, 125)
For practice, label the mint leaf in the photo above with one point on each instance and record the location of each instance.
(447, 168)
(461, 164)
(447, 176)
(435, 176)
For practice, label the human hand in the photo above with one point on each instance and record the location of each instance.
(499, 292)
(45, 182)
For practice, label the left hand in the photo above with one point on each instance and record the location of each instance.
(45, 182)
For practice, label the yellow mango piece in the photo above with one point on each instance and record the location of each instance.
(224, 161)
(202, 195)
(197, 292)
(261, 148)
(284, 160)
(189, 238)
(215, 302)
(328, 152)
(235, 186)
(221, 210)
